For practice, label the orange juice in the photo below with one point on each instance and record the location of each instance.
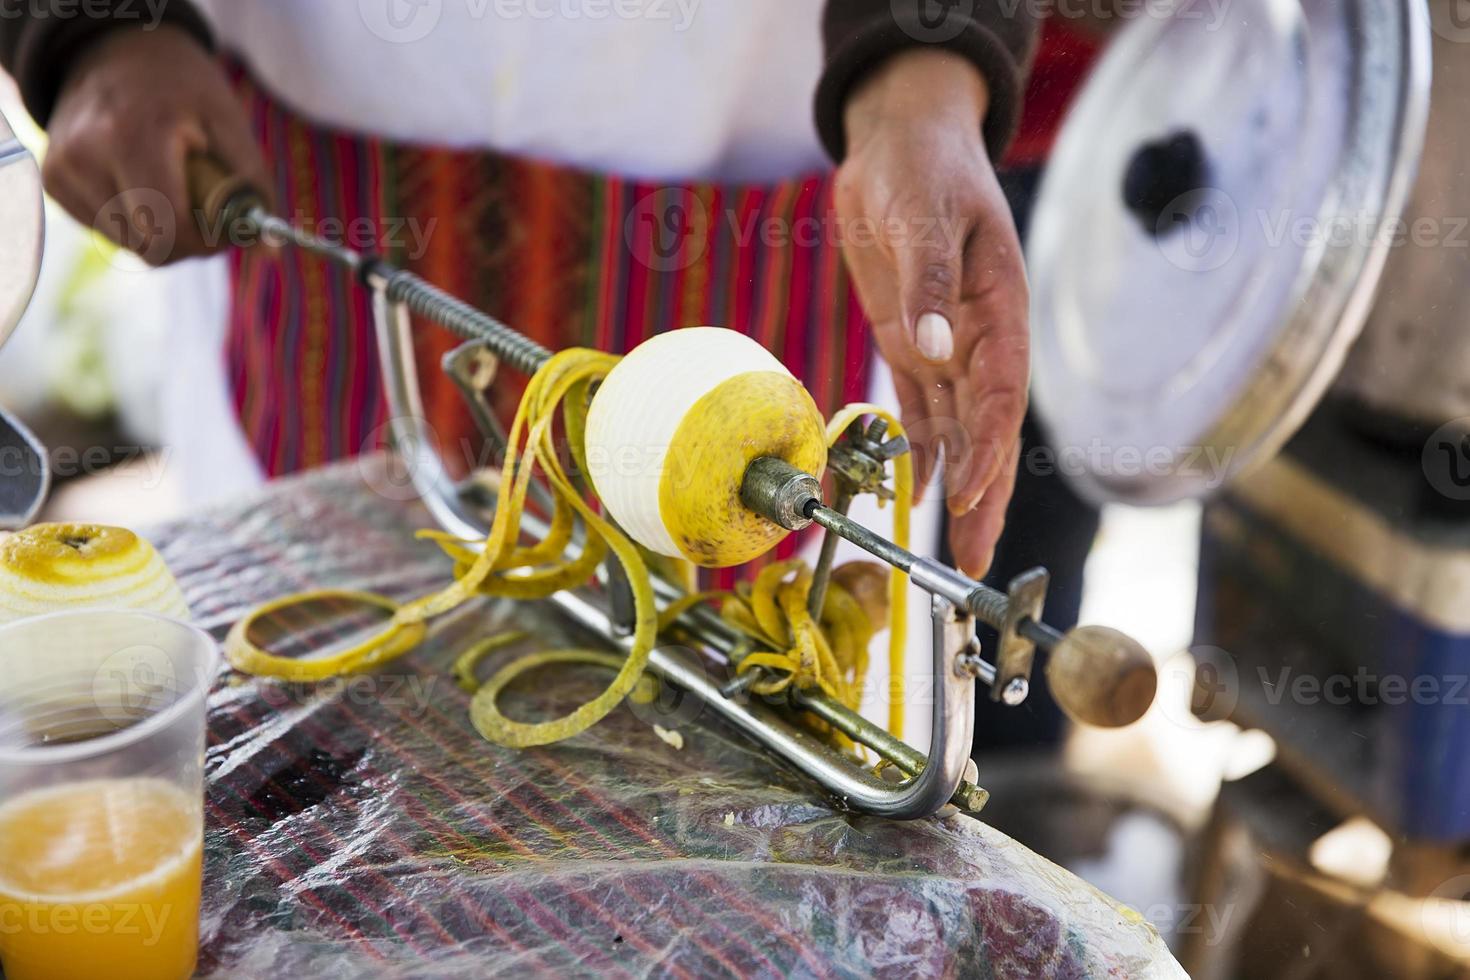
(100, 879)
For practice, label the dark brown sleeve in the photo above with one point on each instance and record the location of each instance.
(41, 39)
(999, 36)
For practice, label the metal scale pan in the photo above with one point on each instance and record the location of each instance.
(25, 476)
(1211, 232)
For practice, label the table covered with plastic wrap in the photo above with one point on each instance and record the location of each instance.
(362, 828)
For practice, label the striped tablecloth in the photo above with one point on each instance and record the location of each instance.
(363, 829)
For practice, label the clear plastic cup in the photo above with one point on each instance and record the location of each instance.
(102, 795)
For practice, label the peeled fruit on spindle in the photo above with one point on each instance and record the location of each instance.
(54, 567)
(672, 429)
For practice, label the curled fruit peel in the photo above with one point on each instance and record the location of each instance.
(831, 656)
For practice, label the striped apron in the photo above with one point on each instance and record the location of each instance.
(567, 257)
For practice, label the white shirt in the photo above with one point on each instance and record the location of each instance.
(658, 89)
(680, 90)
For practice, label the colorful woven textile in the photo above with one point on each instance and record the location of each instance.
(363, 829)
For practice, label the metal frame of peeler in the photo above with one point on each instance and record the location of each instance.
(1106, 676)
(930, 785)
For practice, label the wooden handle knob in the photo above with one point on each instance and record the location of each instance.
(1102, 677)
(213, 189)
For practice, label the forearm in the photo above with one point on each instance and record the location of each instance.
(862, 35)
(40, 40)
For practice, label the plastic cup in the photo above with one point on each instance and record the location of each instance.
(102, 795)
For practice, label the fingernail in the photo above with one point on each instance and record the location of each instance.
(959, 508)
(935, 337)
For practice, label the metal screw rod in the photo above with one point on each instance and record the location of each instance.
(427, 300)
(986, 603)
(849, 529)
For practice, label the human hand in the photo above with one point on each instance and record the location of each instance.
(133, 109)
(942, 280)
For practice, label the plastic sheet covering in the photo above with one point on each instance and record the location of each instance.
(363, 829)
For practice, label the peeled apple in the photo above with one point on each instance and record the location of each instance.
(54, 567)
(672, 429)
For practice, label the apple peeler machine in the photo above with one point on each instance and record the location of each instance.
(1099, 676)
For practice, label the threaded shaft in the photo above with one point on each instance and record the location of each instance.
(989, 606)
(516, 350)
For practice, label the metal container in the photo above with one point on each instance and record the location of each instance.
(1211, 232)
(25, 473)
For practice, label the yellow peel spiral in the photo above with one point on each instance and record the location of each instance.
(774, 419)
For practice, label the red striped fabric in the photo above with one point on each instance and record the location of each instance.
(1064, 60)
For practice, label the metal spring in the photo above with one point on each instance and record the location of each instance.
(515, 349)
(989, 606)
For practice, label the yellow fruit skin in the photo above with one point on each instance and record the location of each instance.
(60, 554)
(52, 567)
(761, 413)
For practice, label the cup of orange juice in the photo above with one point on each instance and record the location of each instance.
(101, 795)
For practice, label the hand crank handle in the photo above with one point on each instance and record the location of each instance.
(1098, 676)
(1101, 677)
(220, 196)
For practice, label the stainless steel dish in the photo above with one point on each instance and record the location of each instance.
(25, 474)
(1212, 229)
